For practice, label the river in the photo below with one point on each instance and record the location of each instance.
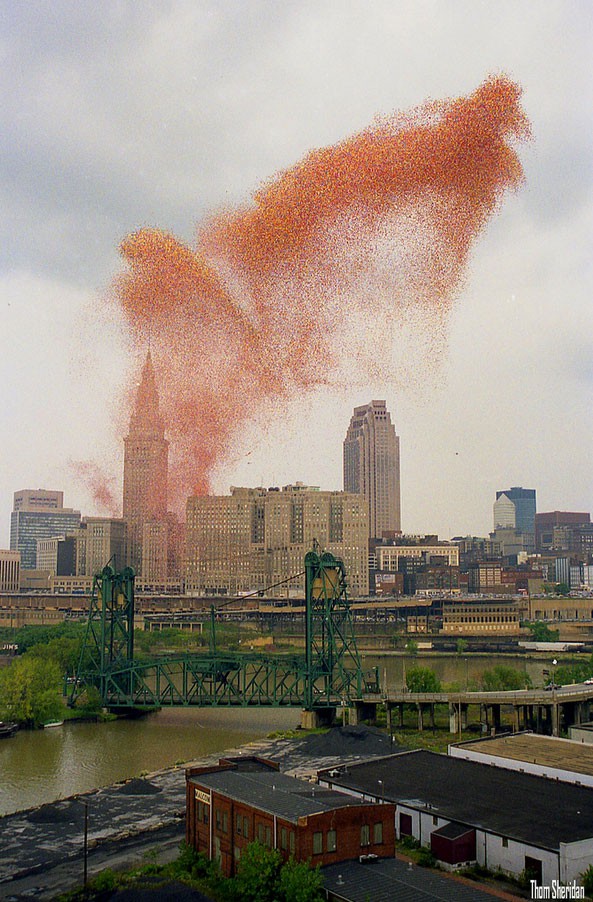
(43, 765)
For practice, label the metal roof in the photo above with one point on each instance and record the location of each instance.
(275, 793)
(391, 878)
(528, 808)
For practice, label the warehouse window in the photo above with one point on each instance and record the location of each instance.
(317, 843)
(378, 833)
(331, 841)
(365, 835)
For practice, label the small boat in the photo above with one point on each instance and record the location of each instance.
(7, 729)
(53, 723)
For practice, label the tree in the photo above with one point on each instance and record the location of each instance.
(541, 632)
(263, 877)
(422, 679)
(300, 883)
(257, 874)
(461, 646)
(562, 589)
(30, 691)
(412, 647)
(504, 679)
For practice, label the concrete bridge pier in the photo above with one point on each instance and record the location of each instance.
(363, 711)
(318, 717)
(457, 717)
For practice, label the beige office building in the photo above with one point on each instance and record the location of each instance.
(371, 466)
(100, 541)
(256, 539)
(10, 571)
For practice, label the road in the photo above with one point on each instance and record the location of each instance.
(161, 846)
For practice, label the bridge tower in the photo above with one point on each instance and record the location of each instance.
(333, 668)
(109, 639)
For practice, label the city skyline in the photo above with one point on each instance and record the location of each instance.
(502, 398)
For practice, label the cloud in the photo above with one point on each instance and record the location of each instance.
(122, 115)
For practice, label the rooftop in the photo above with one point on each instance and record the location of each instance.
(275, 793)
(564, 754)
(390, 878)
(524, 807)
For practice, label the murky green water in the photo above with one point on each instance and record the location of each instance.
(43, 765)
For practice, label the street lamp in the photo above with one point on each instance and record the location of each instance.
(86, 839)
(554, 663)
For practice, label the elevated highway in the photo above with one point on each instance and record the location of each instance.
(541, 710)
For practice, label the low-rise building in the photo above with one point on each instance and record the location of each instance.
(479, 617)
(471, 812)
(246, 799)
(532, 753)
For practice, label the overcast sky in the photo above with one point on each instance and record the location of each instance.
(118, 115)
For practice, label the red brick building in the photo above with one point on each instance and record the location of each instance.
(242, 800)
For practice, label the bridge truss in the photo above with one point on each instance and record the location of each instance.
(329, 674)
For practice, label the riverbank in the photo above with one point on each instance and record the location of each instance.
(37, 840)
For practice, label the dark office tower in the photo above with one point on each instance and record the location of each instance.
(371, 466)
(145, 466)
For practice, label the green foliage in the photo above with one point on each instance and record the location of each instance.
(89, 702)
(541, 632)
(462, 646)
(587, 880)
(562, 589)
(422, 679)
(300, 883)
(573, 673)
(504, 679)
(64, 651)
(258, 874)
(30, 691)
(106, 881)
(412, 647)
(28, 636)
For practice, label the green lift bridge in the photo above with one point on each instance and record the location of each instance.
(328, 676)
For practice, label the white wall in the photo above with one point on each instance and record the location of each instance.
(526, 767)
(492, 854)
(575, 857)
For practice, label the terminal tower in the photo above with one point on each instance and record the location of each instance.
(146, 452)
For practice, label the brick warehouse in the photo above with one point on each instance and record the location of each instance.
(241, 800)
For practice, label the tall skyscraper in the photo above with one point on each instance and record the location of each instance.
(371, 466)
(515, 507)
(146, 453)
(38, 514)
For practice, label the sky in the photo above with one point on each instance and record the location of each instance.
(125, 115)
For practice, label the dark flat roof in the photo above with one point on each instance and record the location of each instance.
(390, 879)
(524, 807)
(275, 793)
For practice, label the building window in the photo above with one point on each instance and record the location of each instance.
(260, 832)
(318, 843)
(283, 838)
(505, 842)
(331, 841)
(269, 837)
(225, 822)
(245, 828)
(435, 820)
(378, 833)
(291, 842)
(218, 819)
(365, 835)
(239, 825)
